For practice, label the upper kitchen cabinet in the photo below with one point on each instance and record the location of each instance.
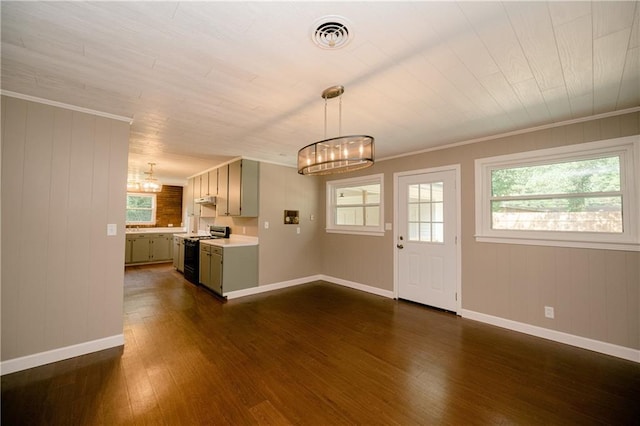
(235, 187)
(213, 183)
(197, 186)
(189, 197)
(238, 189)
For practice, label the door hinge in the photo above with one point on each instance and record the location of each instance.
(456, 296)
(456, 240)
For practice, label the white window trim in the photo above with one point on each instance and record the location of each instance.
(332, 228)
(629, 240)
(153, 209)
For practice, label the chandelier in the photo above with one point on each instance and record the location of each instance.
(149, 184)
(339, 154)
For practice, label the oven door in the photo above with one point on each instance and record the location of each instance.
(191, 260)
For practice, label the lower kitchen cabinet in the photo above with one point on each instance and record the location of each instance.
(178, 253)
(148, 248)
(226, 269)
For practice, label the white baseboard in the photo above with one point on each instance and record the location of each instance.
(557, 336)
(305, 280)
(271, 287)
(55, 355)
(358, 286)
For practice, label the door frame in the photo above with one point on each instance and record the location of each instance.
(458, 197)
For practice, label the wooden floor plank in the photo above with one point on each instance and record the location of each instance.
(316, 354)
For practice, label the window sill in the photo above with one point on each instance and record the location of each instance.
(561, 243)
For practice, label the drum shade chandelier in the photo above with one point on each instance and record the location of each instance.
(339, 154)
(149, 184)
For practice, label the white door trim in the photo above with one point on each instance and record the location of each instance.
(396, 177)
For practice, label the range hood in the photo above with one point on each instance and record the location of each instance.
(211, 200)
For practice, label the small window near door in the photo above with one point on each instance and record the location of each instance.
(355, 206)
(141, 209)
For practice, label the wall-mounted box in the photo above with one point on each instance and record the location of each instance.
(291, 217)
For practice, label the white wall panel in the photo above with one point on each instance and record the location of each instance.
(63, 180)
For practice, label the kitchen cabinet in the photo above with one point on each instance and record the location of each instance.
(226, 269)
(128, 247)
(197, 186)
(205, 267)
(148, 248)
(238, 181)
(213, 182)
(161, 247)
(178, 253)
(222, 203)
(189, 197)
(204, 210)
(206, 187)
(235, 186)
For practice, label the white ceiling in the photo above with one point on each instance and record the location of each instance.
(207, 81)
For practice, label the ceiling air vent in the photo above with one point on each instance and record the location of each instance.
(331, 32)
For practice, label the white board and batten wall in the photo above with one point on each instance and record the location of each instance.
(63, 181)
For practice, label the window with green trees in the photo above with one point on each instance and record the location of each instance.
(581, 195)
(141, 209)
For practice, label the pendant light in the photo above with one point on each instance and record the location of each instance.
(339, 154)
(150, 184)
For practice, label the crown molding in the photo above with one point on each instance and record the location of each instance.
(66, 106)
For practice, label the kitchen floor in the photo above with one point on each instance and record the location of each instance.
(316, 354)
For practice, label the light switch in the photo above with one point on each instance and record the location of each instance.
(298, 230)
(266, 225)
(387, 226)
(112, 229)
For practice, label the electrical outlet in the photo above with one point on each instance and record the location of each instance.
(548, 312)
(266, 225)
(298, 230)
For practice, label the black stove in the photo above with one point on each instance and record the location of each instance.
(192, 251)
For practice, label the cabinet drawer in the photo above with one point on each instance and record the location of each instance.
(216, 250)
(205, 248)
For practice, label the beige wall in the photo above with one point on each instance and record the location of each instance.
(284, 254)
(595, 293)
(63, 180)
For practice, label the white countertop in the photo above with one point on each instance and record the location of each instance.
(191, 234)
(168, 229)
(233, 241)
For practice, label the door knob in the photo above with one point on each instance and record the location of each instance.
(400, 246)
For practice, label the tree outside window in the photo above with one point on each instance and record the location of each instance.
(141, 209)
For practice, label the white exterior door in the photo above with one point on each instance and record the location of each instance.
(427, 228)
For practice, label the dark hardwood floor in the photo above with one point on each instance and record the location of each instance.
(316, 354)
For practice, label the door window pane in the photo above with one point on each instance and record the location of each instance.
(425, 209)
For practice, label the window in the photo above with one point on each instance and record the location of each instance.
(355, 206)
(426, 212)
(141, 209)
(578, 196)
